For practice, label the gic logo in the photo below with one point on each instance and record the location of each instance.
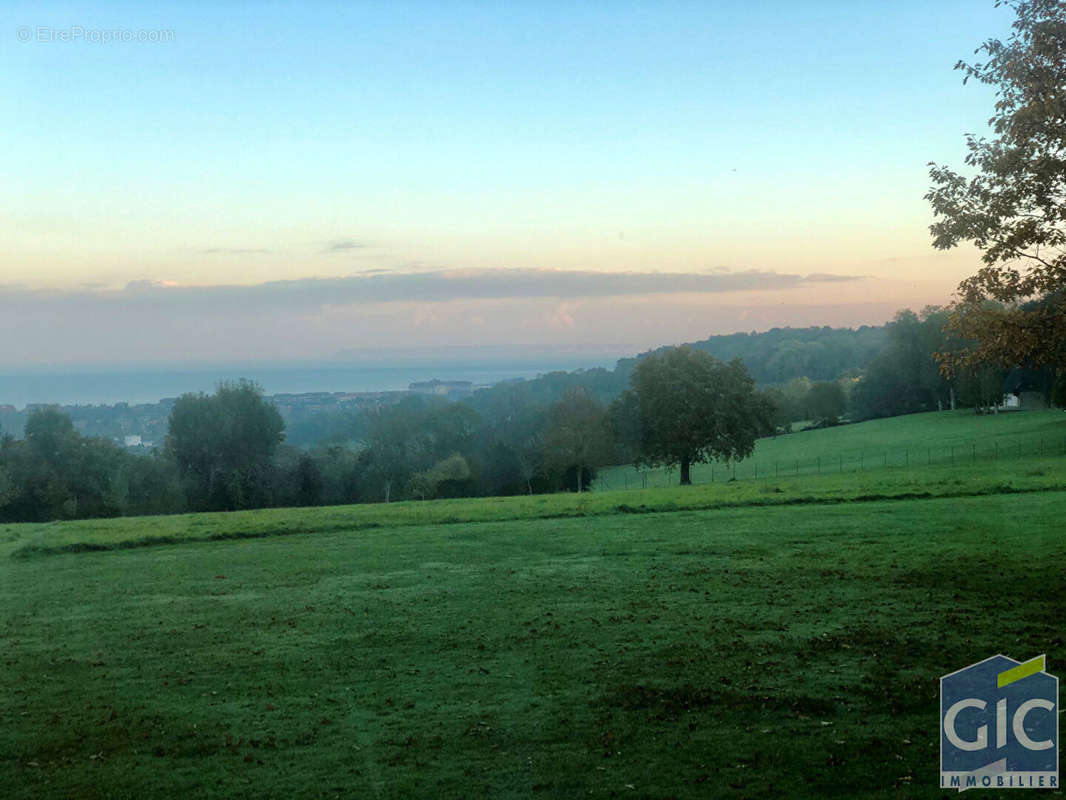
(999, 726)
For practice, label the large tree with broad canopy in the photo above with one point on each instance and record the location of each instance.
(694, 408)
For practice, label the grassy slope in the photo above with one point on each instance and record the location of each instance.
(513, 646)
(898, 442)
(743, 652)
(1031, 474)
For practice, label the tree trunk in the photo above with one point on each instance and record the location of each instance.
(951, 395)
(686, 478)
(580, 471)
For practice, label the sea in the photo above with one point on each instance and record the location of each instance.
(107, 386)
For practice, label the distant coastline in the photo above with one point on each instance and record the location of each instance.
(80, 386)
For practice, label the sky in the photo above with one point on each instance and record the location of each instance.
(194, 182)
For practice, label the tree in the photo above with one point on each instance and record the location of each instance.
(223, 446)
(443, 478)
(56, 473)
(341, 470)
(1058, 392)
(1013, 205)
(50, 434)
(577, 439)
(623, 419)
(8, 489)
(508, 468)
(795, 394)
(826, 402)
(694, 408)
(905, 377)
(780, 410)
(411, 437)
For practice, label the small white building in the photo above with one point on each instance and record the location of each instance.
(1022, 401)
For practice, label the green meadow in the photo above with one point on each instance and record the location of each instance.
(952, 438)
(778, 636)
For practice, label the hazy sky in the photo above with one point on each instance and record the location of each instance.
(293, 180)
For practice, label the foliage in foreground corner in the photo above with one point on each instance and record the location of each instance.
(1012, 206)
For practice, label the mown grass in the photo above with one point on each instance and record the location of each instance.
(1026, 475)
(939, 438)
(771, 637)
(747, 652)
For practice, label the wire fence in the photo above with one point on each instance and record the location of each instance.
(843, 462)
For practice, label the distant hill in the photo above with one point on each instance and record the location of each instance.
(772, 357)
(781, 354)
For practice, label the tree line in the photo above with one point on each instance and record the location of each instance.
(674, 406)
(227, 450)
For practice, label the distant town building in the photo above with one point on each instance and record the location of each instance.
(449, 389)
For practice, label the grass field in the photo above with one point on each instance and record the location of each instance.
(946, 438)
(753, 639)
